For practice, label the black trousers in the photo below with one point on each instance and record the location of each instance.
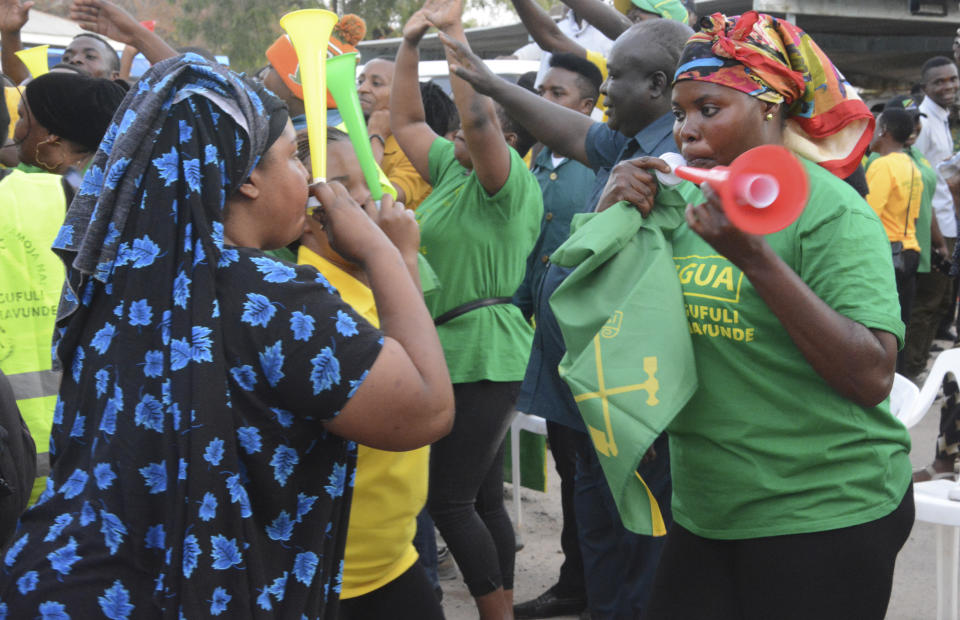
(906, 291)
(563, 446)
(408, 597)
(843, 574)
(466, 485)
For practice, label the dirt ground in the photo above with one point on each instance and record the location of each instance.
(538, 563)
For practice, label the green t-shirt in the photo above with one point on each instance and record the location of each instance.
(924, 219)
(766, 447)
(478, 245)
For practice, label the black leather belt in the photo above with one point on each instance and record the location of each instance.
(467, 307)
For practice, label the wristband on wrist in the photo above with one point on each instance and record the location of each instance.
(378, 137)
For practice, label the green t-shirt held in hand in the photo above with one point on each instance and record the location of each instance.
(765, 447)
(478, 245)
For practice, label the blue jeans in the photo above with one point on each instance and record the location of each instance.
(619, 566)
(425, 542)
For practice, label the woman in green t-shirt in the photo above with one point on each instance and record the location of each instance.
(791, 478)
(477, 228)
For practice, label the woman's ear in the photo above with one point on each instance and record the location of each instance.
(776, 109)
(511, 138)
(251, 188)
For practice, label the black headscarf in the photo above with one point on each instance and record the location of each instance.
(75, 107)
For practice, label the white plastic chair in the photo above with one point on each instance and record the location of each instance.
(947, 362)
(932, 498)
(903, 396)
(525, 422)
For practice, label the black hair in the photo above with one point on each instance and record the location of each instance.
(528, 80)
(525, 139)
(440, 111)
(303, 142)
(933, 63)
(112, 56)
(589, 77)
(92, 104)
(898, 123)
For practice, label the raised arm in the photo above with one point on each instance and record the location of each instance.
(478, 118)
(13, 15)
(406, 401)
(608, 20)
(560, 128)
(407, 118)
(544, 30)
(107, 19)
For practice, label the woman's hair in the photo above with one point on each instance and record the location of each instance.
(74, 107)
(303, 142)
(440, 111)
(898, 123)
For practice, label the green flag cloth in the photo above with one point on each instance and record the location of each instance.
(629, 359)
(533, 460)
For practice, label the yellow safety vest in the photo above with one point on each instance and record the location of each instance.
(32, 209)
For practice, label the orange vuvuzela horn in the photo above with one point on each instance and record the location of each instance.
(763, 190)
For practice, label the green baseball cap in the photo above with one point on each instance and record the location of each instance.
(668, 9)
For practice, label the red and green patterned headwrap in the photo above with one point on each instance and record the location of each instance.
(773, 60)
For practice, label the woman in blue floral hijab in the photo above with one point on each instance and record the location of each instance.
(196, 464)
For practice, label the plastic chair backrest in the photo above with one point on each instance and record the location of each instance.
(903, 395)
(947, 362)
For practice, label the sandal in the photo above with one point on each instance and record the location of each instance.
(929, 473)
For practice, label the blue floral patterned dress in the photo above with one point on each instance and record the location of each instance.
(191, 472)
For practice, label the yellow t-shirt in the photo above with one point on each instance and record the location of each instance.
(598, 59)
(895, 195)
(390, 488)
(403, 175)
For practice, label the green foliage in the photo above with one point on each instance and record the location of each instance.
(241, 29)
(385, 18)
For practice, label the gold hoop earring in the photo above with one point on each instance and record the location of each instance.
(44, 164)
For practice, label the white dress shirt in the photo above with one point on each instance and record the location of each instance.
(936, 144)
(586, 35)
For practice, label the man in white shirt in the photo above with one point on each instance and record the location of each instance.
(935, 291)
(580, 31)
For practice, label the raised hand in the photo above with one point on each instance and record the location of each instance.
(415, 28)
(107, 19)
(14, 14)
(467, 66)
(444, 13)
